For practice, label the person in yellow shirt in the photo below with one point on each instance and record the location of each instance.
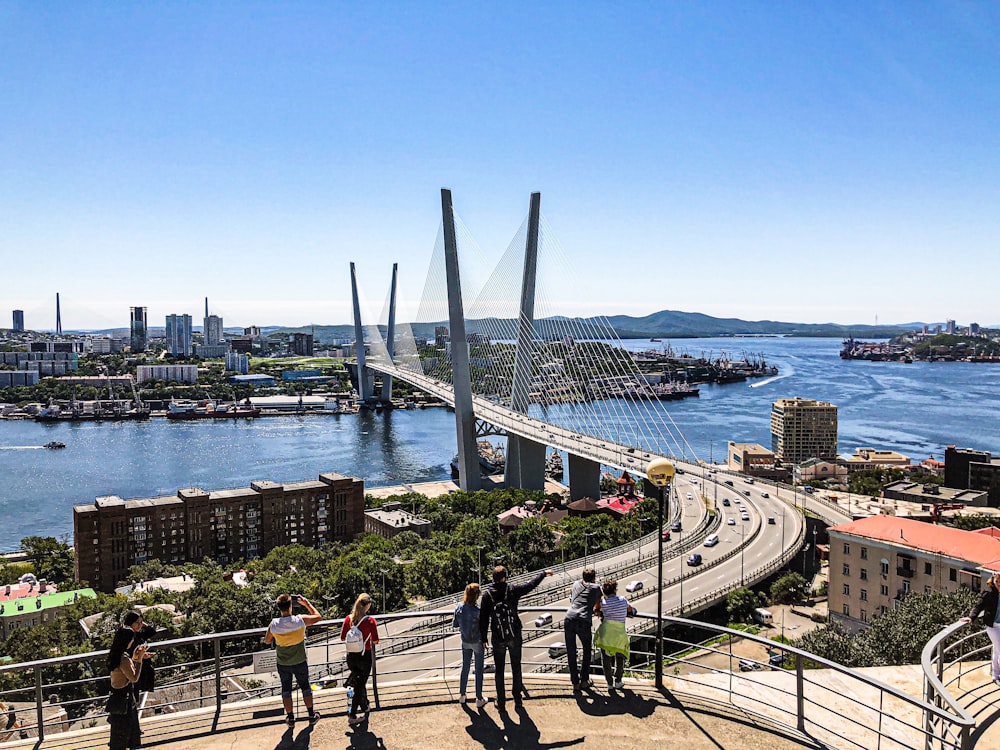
(288, 632)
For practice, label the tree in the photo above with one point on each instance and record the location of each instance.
(741, 603)
(791, 587)
(52, 558)
(530, 544)
(973, 522)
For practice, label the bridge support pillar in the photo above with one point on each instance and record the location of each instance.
(366, 381)
(390, 338)
(469, 474)
(584, 478)
(525, 468)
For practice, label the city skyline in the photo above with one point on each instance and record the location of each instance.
(804, 164)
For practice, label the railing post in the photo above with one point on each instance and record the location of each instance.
(218, 675)
(800, 694)
(39, 711)
(375, 677)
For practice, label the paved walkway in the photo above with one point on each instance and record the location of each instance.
(427, 716)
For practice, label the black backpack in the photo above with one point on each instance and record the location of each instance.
(504, 619)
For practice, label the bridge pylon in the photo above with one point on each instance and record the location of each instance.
(365, 379)
(525, 468)
(469, 474)
(390, 338)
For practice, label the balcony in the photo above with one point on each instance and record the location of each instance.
(905, 572)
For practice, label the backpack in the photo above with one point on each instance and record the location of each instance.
(355, 639)
(504, 628)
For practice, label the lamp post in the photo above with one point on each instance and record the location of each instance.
(586, 546)
(660, 472)
(383, 571)
(479, 557)
(642, 528)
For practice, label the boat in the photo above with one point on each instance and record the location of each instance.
(554, 466)
(492, 459)
(54, 444)
(187, 409)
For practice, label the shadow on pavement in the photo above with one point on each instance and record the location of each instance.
(522, 734)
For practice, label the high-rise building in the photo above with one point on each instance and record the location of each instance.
(19, 321)
(179, 335)
(950, 327)
(58, 317)
(213, 330)
(236, 362)
(137, 329)
(302, 344)
(802, 428)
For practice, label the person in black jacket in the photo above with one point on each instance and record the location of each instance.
(987, 605)
(507, 596)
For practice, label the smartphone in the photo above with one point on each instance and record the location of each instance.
(295, 598)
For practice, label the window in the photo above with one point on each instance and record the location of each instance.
(847, 589)
(864, 595)
(927, 568)
(952, 574)
(885, 567)
(863, 574)
(847, 548)
(864, 553)
(847, 569)
(864, 615)
(883, 590)
(847, 610)
(906, 587)
(927, 589)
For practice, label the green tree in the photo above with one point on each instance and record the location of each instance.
(530, 545)
(974, 522)
(741, 603)
(789, 588)
(52, 558)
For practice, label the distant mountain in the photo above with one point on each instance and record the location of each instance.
(663, 324)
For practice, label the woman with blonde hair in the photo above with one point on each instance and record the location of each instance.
(467, 621)
(360, 632)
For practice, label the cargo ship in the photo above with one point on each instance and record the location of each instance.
(186, 409)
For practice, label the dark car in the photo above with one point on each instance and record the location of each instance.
(675, 526)
(695, 559)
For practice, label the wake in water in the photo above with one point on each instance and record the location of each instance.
(779, 376)
(21, 447)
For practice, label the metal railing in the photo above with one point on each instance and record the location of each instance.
(948, 657)
(832, 704)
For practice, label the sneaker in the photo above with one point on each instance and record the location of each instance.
(619, 684)
(353, 721)
(480, 702)
(461, 699)
(313, 718)
(611, 685)
(996, 680)
(290, 720)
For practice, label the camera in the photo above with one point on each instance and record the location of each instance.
(295, 598)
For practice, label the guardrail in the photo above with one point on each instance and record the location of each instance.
(835, 706)
(946, 658)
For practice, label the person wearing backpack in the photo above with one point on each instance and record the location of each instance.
(288, 632)
(359, 633)
(498, 614)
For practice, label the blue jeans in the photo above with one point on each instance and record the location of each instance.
(301, 674)
(468, 650)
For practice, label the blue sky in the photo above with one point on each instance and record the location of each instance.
(790, 161)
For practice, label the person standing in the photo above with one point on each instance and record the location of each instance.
(578, 624)
(499, 615)
(612, 638)
(467, 621)
(987, 605)
(288, 631)
(359, 662)
(124, 670)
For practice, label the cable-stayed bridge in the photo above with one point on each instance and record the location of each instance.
(514, 367)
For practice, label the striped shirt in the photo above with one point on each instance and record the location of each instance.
(290, 636)
(615, 608)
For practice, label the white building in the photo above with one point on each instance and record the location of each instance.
(174, 373)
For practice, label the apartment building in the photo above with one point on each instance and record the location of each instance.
(755, 460)
(171, 373)
(113, 534)
(875, 561)
(803, 428)
(390, 520)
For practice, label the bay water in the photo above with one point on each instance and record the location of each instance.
(917, 409)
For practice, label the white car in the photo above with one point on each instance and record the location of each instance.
(712, 540)
(690, 496)
(557, 649)
(745, 516)
(634, 586)
(731, 521)
(543, 620)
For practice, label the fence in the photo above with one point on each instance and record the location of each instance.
(832, 704)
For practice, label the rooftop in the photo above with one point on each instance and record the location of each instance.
(982, 549)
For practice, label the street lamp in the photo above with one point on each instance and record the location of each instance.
(586, 546)
(383, 571)
(479, 557)
(661, 473)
